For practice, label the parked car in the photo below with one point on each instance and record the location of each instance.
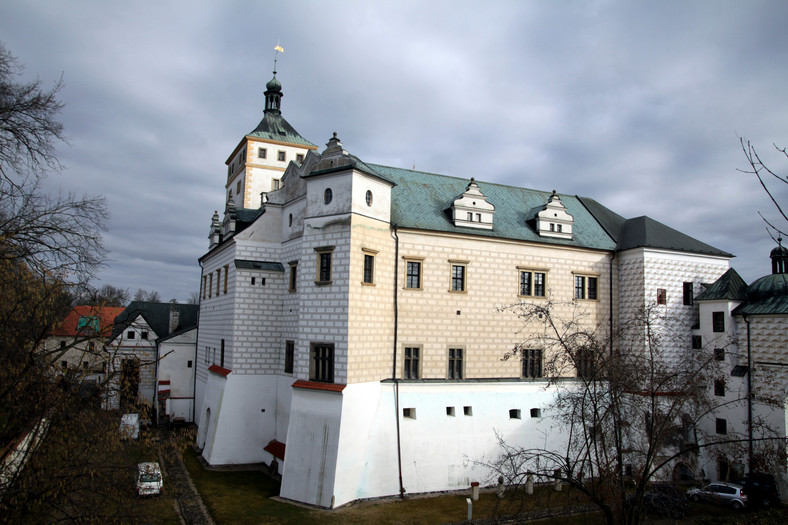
(761, 489)
(720, 493)
(149, 480)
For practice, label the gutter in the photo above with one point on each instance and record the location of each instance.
(394, 363)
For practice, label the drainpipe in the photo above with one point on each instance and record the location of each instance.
(610, 294)
(197, 341)
(749, 394)
(394, 363)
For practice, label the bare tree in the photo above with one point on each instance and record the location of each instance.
(630, 411)
(146, 296)
(50, 245)
(765, 175)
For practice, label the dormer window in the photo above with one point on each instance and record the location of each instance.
(552, 219)
(471, 209)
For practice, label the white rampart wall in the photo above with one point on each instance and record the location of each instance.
(356, 431)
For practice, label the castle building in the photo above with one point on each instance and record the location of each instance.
(350, 328)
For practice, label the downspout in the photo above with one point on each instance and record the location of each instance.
(749, 395)
(394, 363)
(197, 340)
(610, 292)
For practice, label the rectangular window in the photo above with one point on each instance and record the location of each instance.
(324, 265)
(218, 279)
(299, 158)
(289, 356)
(293, 276)
(189, 364)
(455, 363)
(532, 363)
(62, 345)
(584, 361)
(281, 156)
(276, 184)
(592, 288)
(719, 354)
(204, 285)
(536, 412)
(322, 363)
(718, 321)
(144, 335)
(540, 281)
(525, 283)
(697, 342)
(689, 297)
(532, 283)
(412, 360)
(719, 387)
(369, 268)
(130, 334)
(238, 189)
(261, 153)
(586, 287)
(413, 270)
(722, 426)
(457, 277)
(210, 284)
(580, 287)
(226, 271)
(450, 411)
(662, 296)
(409, 413)
(514, 413)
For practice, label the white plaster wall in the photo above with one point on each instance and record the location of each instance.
(243, 418)
(439, 452)
(311, 455)
(174, 357)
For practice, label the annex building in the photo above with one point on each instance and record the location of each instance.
(349, 323)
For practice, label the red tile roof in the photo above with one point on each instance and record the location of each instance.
(70, 326)
(276, 448)
(316, 385)
(220, 370)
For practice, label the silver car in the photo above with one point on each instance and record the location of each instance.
(721, 493)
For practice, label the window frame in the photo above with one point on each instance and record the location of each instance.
(289, 356)
(719, 387)
(323, 272)
(226, 272)
(368, 272)
(281, 155)
(718, 322)
(292, 282)
(300, 158)
(411, 362)
(662, 296)
(586, 285)
(456, 363)
(721, 426)
(688, 294)
(321, 367)
(462, 280)
(418, 263)
(533, 286)
(262, 153)
(532, 363)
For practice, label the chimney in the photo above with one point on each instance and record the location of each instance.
(175, 318)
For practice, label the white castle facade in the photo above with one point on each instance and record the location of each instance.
(349, 322)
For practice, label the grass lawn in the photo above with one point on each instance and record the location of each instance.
(244, 497)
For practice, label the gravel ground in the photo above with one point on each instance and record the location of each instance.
(190, 505)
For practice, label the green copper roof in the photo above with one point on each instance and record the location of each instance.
(423, 201)
(729, 287)
(275, 127)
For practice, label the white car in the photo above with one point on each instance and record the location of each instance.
(149, 480)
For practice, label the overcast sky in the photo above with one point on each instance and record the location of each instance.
(639, 105)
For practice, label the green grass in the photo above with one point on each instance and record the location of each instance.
(244, 497)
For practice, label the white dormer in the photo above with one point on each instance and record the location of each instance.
(553, 220)
(472, 210)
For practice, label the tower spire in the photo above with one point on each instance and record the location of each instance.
(273, 89)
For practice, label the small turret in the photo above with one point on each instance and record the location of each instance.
(215, 234)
